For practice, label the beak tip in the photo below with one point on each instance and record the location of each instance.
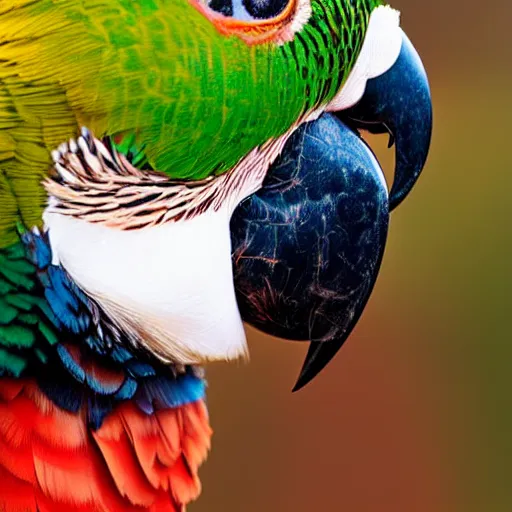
(302, 381)
(318, 357)
(298, 386)
(305, 377)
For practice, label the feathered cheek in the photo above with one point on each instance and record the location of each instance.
(257, 21)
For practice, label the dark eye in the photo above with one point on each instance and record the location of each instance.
(264, 9)
(224, 7)
(257, 21)
(249, 10)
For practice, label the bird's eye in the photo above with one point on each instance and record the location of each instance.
(247, 10)
(257, 21)
(264, 9)
(224, 7)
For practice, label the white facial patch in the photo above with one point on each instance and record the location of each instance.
(380, 50)
(170, 286)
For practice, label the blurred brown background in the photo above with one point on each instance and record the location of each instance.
(415, 413)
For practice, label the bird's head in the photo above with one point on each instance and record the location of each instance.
(228, 181)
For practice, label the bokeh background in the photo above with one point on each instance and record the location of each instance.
(415, 413)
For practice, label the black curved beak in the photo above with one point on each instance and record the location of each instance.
(307, 247)
(399, 103)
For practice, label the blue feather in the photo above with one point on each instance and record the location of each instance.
(71, 365)
(82, 324)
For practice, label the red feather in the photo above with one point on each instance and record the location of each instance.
(51, 462)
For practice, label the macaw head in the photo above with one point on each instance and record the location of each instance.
(200, 106)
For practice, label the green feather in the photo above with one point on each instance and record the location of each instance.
(11, 363)
(7, 313)
(25, 316)
(16, 335)
(157, 72)
(156, 75)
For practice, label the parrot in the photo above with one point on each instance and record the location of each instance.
(171, 170)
